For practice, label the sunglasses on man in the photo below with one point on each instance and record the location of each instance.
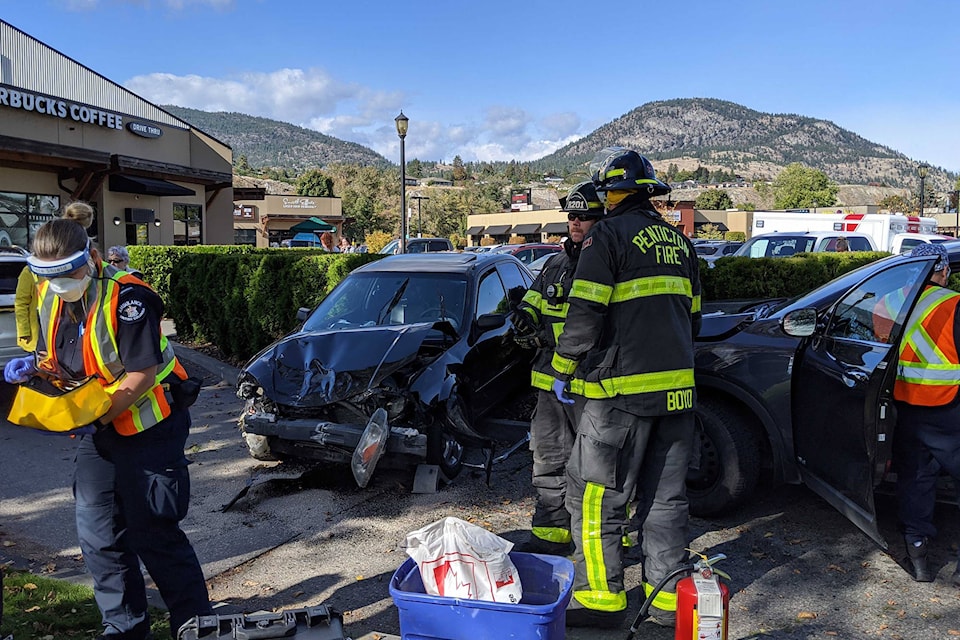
(115, 260)
(582, 217)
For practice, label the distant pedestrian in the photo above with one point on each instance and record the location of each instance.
(842, 245)
(345, 246)
(326, 241)
(119, 257)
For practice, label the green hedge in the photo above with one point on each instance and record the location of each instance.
(240, 298)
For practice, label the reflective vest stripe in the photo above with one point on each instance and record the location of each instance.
(665, 601)
(633, 384)
(928, 369)
(695, 305)
(555, 310)
(552, 534)
(591, 291)
(652, 286)
(535, 300)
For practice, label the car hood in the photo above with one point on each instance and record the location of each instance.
(317, 368)
(717, 326)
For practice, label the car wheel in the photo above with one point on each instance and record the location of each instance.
(444, 451)
(727, 467)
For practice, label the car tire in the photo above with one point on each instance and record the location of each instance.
(728, 466)
(444, 451)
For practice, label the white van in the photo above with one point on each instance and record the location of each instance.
(785, 243)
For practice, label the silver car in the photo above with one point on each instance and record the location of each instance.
(12, 262)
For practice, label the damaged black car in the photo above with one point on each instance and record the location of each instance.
(406, 359)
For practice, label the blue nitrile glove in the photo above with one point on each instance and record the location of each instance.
(560, 390)
(19, 370)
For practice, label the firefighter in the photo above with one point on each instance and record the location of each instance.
(538, 321)
(928, 409)
(634, 310)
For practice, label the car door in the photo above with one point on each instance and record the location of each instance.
(841, 402)
(489, 351)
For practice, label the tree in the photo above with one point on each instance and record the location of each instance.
(415, 168)
(459, 171)
(243, 166)
(716, 199)
(895, 203)
(314, 183)
(799, 186)
(710, 231)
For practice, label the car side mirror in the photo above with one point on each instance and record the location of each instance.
(489, 321)
(302, 314)
(800, 323)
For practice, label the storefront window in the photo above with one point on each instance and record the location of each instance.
(21, 214)
(187, 223)
(137, 234)
(245, 236)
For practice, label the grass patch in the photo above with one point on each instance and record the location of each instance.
(40, 608)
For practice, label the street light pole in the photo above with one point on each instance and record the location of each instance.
(402, 123)
(922, 170)
(418, 198)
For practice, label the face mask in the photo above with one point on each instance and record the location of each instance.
(615, 197)
(69, 289)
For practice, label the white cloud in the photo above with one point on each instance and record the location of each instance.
(314, 99)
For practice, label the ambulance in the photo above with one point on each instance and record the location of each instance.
(894, 232)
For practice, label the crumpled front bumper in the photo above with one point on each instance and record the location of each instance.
(337, 440)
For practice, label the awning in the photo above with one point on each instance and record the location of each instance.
(312, 223)
(147, 186)
(498, 230)
(475, 231)
(525, 229)
(555, 227)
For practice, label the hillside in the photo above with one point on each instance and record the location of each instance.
(753, 144)
(271, 143)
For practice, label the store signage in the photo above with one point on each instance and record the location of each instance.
(144, 130)
(17, 99)
(299, 203)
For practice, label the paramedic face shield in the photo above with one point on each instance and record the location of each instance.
(62, 273)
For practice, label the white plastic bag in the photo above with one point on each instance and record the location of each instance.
(461, 560)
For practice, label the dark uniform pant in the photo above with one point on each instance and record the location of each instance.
(552, 431)
(616, 453)
(131, 493)
(927, 440)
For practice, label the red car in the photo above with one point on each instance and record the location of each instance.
(527, 253)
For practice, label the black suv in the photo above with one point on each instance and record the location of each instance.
(426, 338)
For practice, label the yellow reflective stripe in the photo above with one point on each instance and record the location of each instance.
(557, 330)
(614, 173)
(602, 600)
(555, 310)
(665, 601)
(634, 384)
(552, 534)
(540, 380)
(591, 291)
(591, 538)
(535, 300)
(695, 304)
(651, 286)
(565, 366)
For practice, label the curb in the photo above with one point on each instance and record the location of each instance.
(227, 373)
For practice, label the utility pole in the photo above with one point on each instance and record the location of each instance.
(418, 198)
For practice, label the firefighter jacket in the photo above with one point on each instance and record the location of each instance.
(546, 303)
(634, 310)
(928, 370)
(101, 356)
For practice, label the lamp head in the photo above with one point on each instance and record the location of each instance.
(402, 122)
(923, 169)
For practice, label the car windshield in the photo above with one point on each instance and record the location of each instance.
(775, 247)
(387, 298)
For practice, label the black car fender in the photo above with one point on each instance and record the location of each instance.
(776, 444)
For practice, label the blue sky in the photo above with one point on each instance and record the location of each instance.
(498, 80)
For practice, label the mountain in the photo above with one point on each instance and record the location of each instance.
(753, 144)
(271, 143)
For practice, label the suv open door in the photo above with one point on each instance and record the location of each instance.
(842, 404)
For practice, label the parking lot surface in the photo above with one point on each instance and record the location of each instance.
(799, 569)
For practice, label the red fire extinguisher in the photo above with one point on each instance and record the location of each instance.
(703, 602)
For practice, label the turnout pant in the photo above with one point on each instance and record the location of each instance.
(927, 440)
(616, 452)
(131, 493)
(552, 431)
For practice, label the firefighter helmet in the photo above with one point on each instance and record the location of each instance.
(583, 199)
(628, 171)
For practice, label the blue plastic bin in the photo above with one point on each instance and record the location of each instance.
(541, 614)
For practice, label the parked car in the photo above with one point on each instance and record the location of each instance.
(527, 253)
(803, 388)
(713, 249)
(537, 265)
(12, 261)
(419, 245)
(427, 339)
(786, 243)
